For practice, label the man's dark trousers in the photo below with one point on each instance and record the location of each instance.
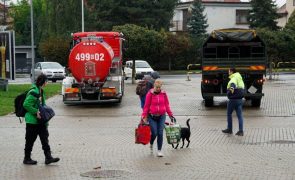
(32, 131)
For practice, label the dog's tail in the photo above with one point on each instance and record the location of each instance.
(187, 123)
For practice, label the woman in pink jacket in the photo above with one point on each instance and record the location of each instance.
(155, 108)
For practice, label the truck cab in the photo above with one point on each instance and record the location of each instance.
(233, 48)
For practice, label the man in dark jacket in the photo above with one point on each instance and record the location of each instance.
(235, 94)
(150, 80)
(33, 127)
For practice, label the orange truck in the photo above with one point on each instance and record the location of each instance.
(242, 49)
(95, 65)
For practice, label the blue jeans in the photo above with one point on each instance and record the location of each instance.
(142, 101)
(235, 104)
(157, 127)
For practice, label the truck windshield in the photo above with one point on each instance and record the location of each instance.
(51, 66)
(142, 65)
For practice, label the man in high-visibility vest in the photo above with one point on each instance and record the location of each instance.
(235, 94)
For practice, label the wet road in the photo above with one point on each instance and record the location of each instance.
(90, 136)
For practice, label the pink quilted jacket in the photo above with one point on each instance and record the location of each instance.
(156, 104)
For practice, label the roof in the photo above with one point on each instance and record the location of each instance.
(228, 1)
(85, 34)
(48, 62)
(136, 61)
(282, 10)
(186, 4)
(213, 0)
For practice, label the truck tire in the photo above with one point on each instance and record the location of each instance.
(256, 102)
(122, 88)
(202, 93)
(119, 100)
(208, 102)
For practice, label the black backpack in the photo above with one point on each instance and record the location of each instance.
(141, 88)
(19, 109)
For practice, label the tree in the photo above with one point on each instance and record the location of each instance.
(4, 11)
(108, 13)
(143, 43)
(198, 22)
(291, 22)
(63, 17)
(55, 49)
(174, 46)
(263, 14)
(280, 44)
(20, 13)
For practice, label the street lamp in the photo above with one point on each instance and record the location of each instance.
(82, 3)
(32, 43)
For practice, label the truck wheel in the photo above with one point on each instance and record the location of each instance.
(119, 100)
(208, 102)
(247, 98)
(202, 93)
(122, 88)
(256, 102)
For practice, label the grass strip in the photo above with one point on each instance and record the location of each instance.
(7, 97)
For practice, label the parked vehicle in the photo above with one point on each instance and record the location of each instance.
(95, 64)
(141, 68)
(53, 70)
(239, 48)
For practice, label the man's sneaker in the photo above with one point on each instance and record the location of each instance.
(240, 133)
(227, 131)
(151, 148)
(160, 154)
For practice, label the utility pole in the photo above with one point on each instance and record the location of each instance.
(32, 43)
(82, 4)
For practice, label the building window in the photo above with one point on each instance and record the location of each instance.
(242, 16)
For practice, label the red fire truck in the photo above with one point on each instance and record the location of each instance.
(95, 65)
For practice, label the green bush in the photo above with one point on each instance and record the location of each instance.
(55, 49)
(142, 43)
(280, 44)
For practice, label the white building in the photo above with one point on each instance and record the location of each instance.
(220, 14)
(285, 11)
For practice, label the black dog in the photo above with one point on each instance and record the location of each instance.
(185, 133)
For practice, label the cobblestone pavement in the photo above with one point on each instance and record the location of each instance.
(100, 138)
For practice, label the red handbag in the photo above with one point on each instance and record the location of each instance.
(142, 133)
